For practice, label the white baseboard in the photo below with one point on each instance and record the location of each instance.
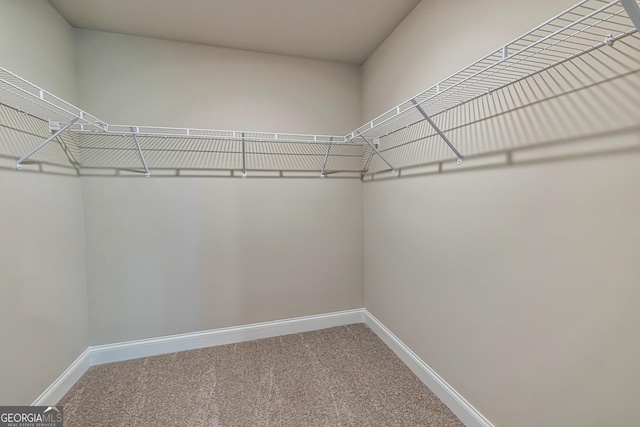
(63, 384)
(190, 341)
(97, 355)
(469, 415)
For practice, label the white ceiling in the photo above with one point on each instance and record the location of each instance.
(335, 30)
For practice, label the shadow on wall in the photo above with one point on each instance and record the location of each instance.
(21, 132)
(586, 106)
(589, 106)
(98, 154)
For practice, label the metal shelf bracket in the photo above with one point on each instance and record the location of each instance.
(633, 10)
(393, 170)
(326, 157)
(45, 142)
(437, 129)
(244, 167)
(577, 33)
(147, 174)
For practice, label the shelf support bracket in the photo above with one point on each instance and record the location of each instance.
(377, 152)
(244, 167)
(437, 129)
(147, 174)
(326, 157)
(45, 142)
(633, 11)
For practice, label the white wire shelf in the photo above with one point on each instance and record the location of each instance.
(227, 135)
(26, 97)
(590, 25)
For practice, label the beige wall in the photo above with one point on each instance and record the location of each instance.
(516, 284)
(178, 255)
(37, 44)
(167, 256)
(440, 37)
(43, 296)
(124, 79)
(519, 287)
(43, 299)
(173, 255)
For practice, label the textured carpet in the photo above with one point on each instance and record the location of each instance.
(343, 376)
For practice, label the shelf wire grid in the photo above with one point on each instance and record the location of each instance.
(103, 151)
(597, 93)
(587, 26)
(28, 98)
(559, 58)
(94, 144)
(19, 132)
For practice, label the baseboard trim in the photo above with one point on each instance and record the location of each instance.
(194, 340)
(97, 355)
(469, 415)
(64, 382)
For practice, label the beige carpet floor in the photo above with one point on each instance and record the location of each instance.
(343, 376)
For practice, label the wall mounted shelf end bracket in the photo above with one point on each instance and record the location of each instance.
(57, 132)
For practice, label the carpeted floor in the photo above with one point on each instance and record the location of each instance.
(342, 376)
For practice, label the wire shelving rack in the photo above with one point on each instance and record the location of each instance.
(93, 145)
